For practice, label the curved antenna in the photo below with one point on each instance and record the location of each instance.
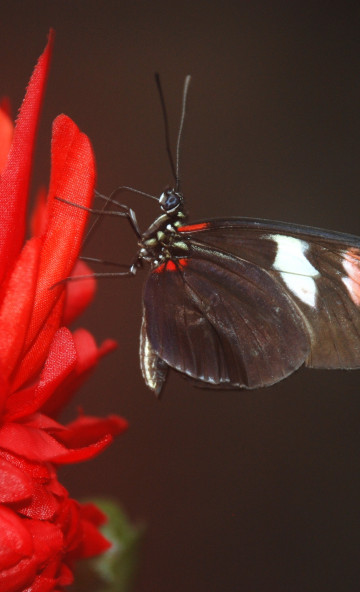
(166, 124)
(181, 127)
(126, 188)
(175, 170)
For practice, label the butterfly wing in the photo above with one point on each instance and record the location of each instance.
(252, 302)
(319, 270)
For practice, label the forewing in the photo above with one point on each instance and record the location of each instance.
(223, 321)
(318, 269)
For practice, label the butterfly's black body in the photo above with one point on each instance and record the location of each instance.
(161, 241)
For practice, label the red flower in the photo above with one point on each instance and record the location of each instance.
(41, 361)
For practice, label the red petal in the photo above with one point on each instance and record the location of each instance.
(74, 455)
(88, 352)
(87, 429)
(16, 540)
(48, 540)
(15, 578)
(34, 444)
(41, 584)
(88, 355)
(73, 178)
(79, 294)
(35, 357)
(65, 577)
(6, 135)
(30, 443)
(70, 523)
(5, 106)
(43, 422)
(4, 389)
(14, 182)
(39, 217)
(94, 542)
(15, 485)
(90, 511)
(60, 362)
(17, 305)
(38, 471)
(43, 505)
(17, 563)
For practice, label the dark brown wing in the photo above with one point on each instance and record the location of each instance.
(253, 301)
(224, 321)
(319, 270)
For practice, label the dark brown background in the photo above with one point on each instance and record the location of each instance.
(259, 491)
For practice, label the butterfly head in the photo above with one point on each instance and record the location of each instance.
(171, 202)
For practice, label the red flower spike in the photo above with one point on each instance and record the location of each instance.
(15, 178)
(41, 362)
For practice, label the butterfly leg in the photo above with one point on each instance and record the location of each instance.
(130, 272)
(129, 214)
(131, 269)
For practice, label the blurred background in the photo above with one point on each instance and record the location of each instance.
(251, 491)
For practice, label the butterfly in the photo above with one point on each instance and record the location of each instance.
(243, 303)
(240, 302)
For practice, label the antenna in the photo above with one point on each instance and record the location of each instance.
(166, 124)
(175, 170)
(181, 127)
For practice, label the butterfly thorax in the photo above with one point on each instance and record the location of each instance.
(161, 241)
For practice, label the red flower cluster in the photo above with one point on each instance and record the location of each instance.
(42, 529)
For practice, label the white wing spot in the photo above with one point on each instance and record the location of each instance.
(295, 269)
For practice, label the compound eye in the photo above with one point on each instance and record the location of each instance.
(170, 200)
